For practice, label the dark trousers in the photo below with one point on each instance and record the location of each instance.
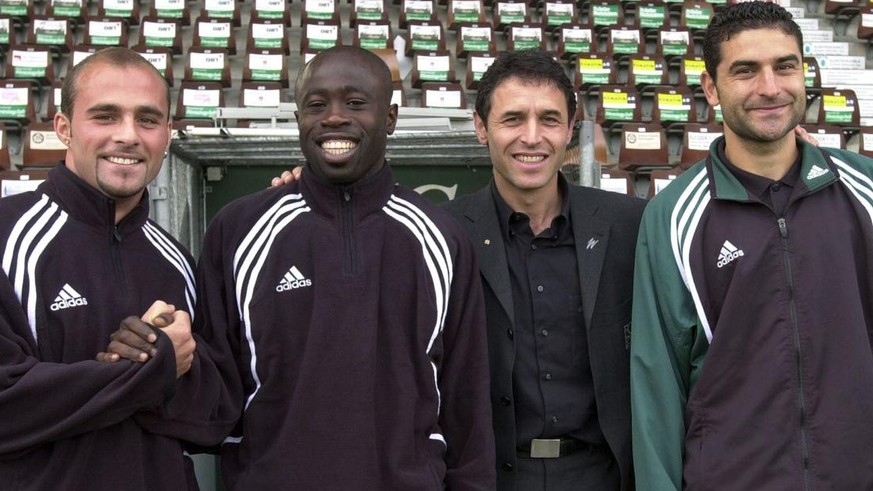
(584, 470)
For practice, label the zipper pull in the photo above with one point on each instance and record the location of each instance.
(347, 195)
(783, 228)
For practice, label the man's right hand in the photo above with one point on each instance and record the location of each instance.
(287, 177)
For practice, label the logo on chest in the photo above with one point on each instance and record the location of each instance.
(292, 280)
(68, 298)
(728, 253)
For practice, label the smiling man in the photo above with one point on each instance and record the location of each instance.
(355, 309)
(80, 258)
(557, 265)
(751, 359)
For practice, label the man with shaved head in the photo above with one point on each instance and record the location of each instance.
(354, 309)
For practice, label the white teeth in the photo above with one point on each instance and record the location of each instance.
(122, 160)
(529, 159)
(337, 147)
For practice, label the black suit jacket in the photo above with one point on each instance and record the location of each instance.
(605, 227)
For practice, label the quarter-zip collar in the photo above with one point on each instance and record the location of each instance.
(816, 172)
(327, 198)
(88, 205)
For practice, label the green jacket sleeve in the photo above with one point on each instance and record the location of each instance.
(664, 321)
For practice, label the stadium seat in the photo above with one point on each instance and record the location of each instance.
(17, 106)
(649, 15)
(373, 34)
(695, 15)
(477, 63)
(625, 40)
(266, 65)
(470, 11)
(54, 32)
(417, 11)
(674, 41)
(659, 179)
(323, 10)
(207, 65)
(20, 11)
(106, 31)
(595, 69)
(32, 63)
(161, 32)
(673, 106)
(221, 9)
(865, 145)
(443, 95)
(575, 39)
(474, 37)
(8, 31)
(170, 10)
(605, 14)
(618, 181)
(507, 12)
(268, 34)
(42, 147)
(520, 36)
(644, 70)
(161, 58)
(5, 162)
(557, 13)
(54, 100)
(616, 105)
(838, 107)
(320, 35)
(696, 141)
(425, 36)
(643, 145)
(275, 10)
(18, 181)
(74, 10)
(214, 33)
(432, 66)
(690, 69)
(865, 25)
(830, 136)
(369, 11)
(127, 10)
(259, 95)
(79, 53)
(198, 100)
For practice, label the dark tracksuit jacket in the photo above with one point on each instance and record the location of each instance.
(751, 364)
(357, 320)
(69, 276)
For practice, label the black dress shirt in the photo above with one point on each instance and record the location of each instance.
(552, 382)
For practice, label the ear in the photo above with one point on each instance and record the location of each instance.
(570, 130)
(62, 126)
(169, 135)
(481, 130)
(392, 118)
(708, 85)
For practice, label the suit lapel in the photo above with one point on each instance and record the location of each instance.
(591, 236)
(485, 231)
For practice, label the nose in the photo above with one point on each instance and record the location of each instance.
(768, 83)
(531, 134)
(125, 131)
(335, 115)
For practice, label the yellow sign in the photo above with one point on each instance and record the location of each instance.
(694, 66)
(590, 64)
(610, 98)
(834, 101)
(644, 65)
(669, 100)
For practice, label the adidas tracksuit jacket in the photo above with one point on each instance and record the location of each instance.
(357, 320)
(69, 276)
(751, 364)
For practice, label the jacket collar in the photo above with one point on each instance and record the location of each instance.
(368, 195)
(816, 172)
(87, 205)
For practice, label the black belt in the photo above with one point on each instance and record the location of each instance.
(551, 448)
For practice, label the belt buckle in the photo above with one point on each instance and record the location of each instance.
(545, 448)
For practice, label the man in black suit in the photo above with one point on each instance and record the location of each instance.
(557, 267)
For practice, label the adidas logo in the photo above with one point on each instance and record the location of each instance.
(293, 279)
(728, 253)
(816, 171)
(68, 298)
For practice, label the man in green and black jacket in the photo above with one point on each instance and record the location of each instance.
(751, 363)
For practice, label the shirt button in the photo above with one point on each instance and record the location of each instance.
(777, 186)
(544, 332)
(505, 401)
(540, 288)
(509, 333)
(533, 246)
(507, 467)
(554, 419)
(548, 376)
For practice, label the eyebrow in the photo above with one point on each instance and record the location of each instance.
(751, 63)
(114, 108)
(549, 112)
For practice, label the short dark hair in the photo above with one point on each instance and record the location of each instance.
(115, 56)
(740, 17)
(356, 55)
(530, 65)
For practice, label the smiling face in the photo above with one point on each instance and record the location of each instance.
(344, 114)
(118, 132)
(760, 87)
(527, 133)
